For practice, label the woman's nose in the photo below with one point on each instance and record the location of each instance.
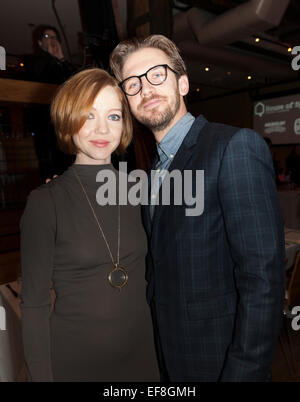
(101, 127)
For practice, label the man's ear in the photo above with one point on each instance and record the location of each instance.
(183, 85)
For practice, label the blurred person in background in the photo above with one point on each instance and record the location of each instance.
(48, 63)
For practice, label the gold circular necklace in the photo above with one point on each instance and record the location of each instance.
(118, 276)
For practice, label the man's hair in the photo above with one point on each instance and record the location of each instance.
(39, 32)
(127, 47)
(73, 101)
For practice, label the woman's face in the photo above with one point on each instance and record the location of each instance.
(101, 133)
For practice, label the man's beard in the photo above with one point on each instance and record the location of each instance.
(159, 121)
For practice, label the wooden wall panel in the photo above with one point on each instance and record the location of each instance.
(26, 91)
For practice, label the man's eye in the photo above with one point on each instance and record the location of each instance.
(157, 76)
(114, 117)
(133, 85)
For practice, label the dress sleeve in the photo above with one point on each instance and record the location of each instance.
(38, 227)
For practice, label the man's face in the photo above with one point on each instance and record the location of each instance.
(49, 39)
(155, 106)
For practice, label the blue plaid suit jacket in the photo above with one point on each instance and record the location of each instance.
(216, 281)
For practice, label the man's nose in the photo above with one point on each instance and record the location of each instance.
(147, 88)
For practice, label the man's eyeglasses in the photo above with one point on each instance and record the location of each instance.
(155, 76)
(47, 36)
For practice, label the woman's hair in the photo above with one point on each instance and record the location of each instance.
(127, 47)
(73, 101)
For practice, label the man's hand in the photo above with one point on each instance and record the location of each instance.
(54, 48)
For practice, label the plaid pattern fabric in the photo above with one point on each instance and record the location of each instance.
(216, 281)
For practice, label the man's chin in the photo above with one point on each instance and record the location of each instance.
(154, 124)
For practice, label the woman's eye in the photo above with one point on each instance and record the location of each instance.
(90, 116)
(115, 117)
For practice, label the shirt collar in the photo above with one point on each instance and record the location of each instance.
(171, 142)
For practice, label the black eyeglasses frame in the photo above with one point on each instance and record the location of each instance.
(166, 66)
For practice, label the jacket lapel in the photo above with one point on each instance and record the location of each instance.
(181, 160)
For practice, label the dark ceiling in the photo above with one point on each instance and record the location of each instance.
(227, 71)
(216, 67)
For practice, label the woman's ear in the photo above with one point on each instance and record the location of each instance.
(183, 85)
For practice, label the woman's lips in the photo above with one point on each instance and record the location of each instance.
(100, 144)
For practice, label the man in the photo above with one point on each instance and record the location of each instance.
(48, 64)
(216, 280)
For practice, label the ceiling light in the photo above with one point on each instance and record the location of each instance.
(206, 68)
(198, 89)
(249, 77)
(290, 49)
(21, 64)
(257, 40)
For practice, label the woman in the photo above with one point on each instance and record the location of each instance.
(100, 328)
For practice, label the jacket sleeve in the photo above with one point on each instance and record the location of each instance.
(37, 250)
(254, 227)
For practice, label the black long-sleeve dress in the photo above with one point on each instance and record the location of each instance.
(95, 332)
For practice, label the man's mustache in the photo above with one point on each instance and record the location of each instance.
(154, 97)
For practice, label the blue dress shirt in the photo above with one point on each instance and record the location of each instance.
(166, 150)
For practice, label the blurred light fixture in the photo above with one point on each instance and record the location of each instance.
(206, 68)
(198, 89)
(257, 40)
(21, 64)
(249, 77)
(290, 49)
(228, 72)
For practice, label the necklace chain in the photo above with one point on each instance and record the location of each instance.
(98, 223)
